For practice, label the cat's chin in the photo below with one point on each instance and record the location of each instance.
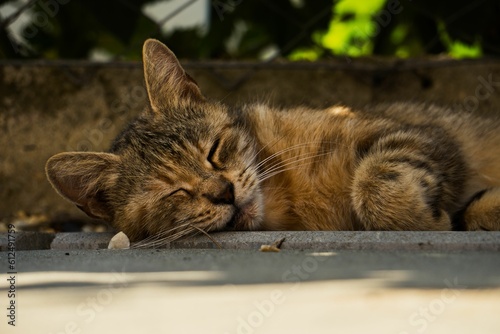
(247, 217)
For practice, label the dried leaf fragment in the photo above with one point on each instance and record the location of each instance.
(274, 247)
(269, 248)
(119, 241)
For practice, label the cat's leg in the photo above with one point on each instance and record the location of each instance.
(394, 191)
(482, 213)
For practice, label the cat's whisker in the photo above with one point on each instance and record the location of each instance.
(170, 238)
(291, 148)
(268, 145)
(274, 188)
(208, 235)
(146, 242)
(277, 154)
(335, 145)
(291, 162)
(284, 162)
(179, 235)
(280, 169)
(181, 229)
(279, 172)
(167, 232)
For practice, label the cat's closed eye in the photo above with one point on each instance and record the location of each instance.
(181, 192)
(222, 152)
(212, 158)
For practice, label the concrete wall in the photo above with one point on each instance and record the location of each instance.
(46, 108)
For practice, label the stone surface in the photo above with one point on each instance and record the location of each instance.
(26, 240)
(83, 240)
(250, 292)
(317, 241)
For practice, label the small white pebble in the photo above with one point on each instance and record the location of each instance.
(119, 241)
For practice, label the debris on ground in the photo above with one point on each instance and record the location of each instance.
(274, 247)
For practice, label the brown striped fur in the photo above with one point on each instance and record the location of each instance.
(188, 163)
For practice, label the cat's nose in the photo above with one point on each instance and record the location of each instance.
(224, 194)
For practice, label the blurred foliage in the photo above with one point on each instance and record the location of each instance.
(261, 29)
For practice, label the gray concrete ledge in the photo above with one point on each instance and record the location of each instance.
(26, 240)
(318, 241)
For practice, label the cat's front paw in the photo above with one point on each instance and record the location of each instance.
(393, 195)
(483, 212)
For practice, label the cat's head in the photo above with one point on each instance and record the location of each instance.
(185, 164)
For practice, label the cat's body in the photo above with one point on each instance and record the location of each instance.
(187, 164)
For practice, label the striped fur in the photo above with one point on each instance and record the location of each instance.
(188, 164)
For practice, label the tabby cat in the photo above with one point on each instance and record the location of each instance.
(188, 164)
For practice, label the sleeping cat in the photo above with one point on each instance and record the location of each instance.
(189, 164)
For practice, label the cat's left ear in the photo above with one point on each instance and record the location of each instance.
(167, 83)
(85, 179)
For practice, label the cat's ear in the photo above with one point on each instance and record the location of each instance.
(167, 84)
(85, 179)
